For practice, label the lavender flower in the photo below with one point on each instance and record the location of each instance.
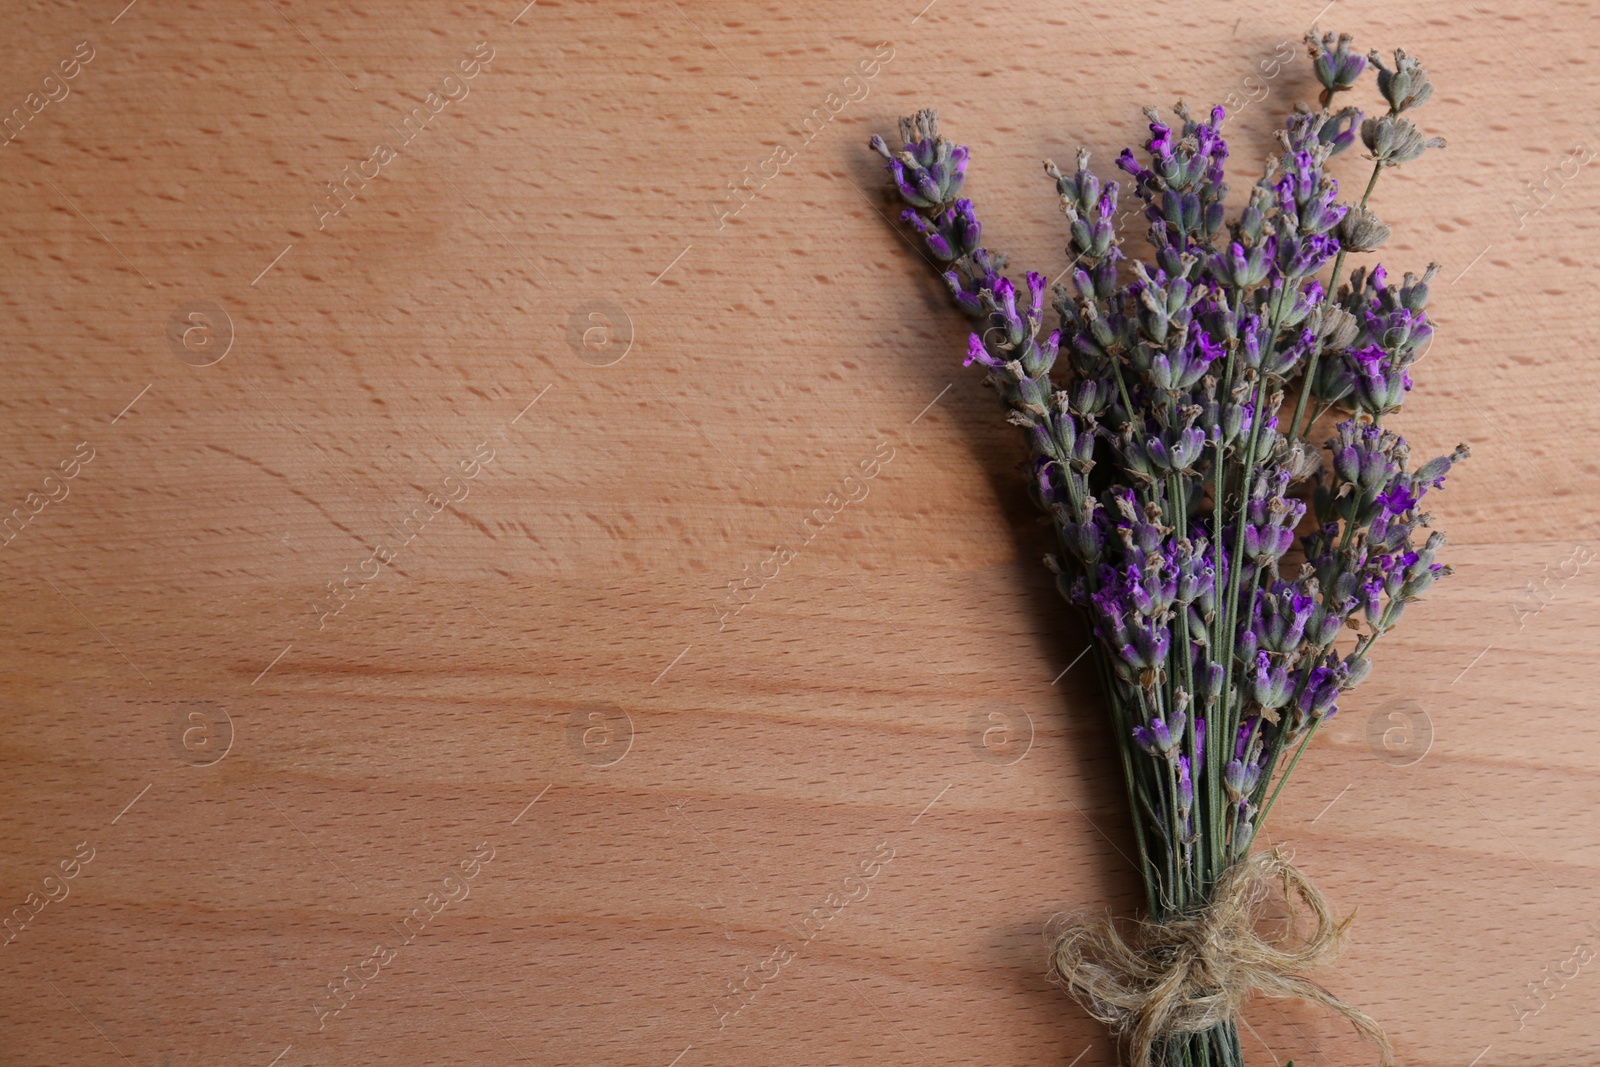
(1336, 66)
(1155, 415)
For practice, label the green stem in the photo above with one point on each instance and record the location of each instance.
(1261, 820)
(1362, 647)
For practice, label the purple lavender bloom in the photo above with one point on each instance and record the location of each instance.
(1160, 739)
(1003, 312)
(1271, 517)
(1309, 296)
(906, 184)
(1245, 738)
(1307, 255)
(1086, 539)
(1432, 473)
(1399, 329)
(1337, 66)
(1144, 178)
(1207, 680)
(938, 243)
(1327, 621)
(984, 273)
(1196, 574)
(929, 170)
(1281, 615)
(1399, 498)
(1339, 132)
(1420, 569)
(1245, 646)
(951, 234)
(1153, 586)
(1209, 144)
(1334, 382)
(1380, 380)
(1317, 699)
(1110, 611)
(1301, 130)
(1363, 456)
(1239, 779)
(1175, 449)
(1037, 284)
(1093, 231)
(1242, 267)
(1185, 788)
(1152, 640)
(1371, 602)
(977, 353)
(1160, 144)
(1270, 686)
(1186, 366)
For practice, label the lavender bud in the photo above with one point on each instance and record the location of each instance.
(1336, 66)
(1339, 131)
(1406, 86)
(1245, 647)
(1185, 788)
(1239, 779)
(1432, 473)
(1393, 141)
(1414, 290)
(1235, 419)
(1270, 686)
(1317, 698)
(1335, 327)
(1362, 231)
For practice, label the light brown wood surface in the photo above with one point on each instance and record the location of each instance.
(699, 784)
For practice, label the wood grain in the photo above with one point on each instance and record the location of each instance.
(675, 800)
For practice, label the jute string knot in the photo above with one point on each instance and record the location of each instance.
(1192, 972)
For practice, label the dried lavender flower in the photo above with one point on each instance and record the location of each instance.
(1393, 141)
(1362, 231)
(1335, 65)
(1234, 580)
(1405, 87)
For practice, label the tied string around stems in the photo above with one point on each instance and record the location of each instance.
(1193, 971)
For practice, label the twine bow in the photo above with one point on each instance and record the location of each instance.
(1193, 971)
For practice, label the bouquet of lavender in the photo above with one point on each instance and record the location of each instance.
(1166, 421)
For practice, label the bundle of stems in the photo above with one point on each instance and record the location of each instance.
(1235, 580)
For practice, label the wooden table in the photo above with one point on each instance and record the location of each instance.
(384, 461)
